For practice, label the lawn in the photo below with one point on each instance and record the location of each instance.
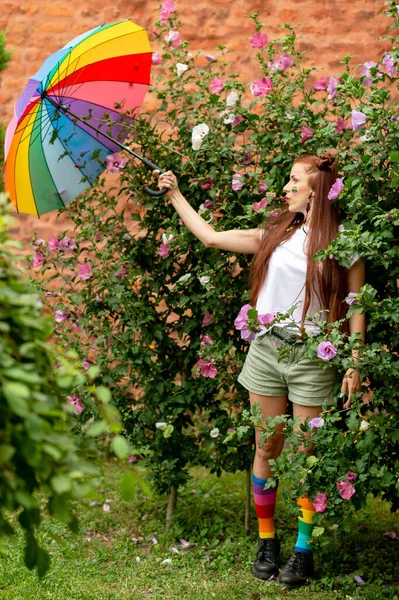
(113, 558)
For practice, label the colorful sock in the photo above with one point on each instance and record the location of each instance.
(265, 505)
(305, 526)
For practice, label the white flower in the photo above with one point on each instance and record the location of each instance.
(167, 238)
(364, 425)
(138, 559)
(166, 561)
(198, 133)
(106, 507)
(204, 279)
(160, 425)
(228, 117)
(232, 98)
(185, 277)
(366, 137)
(214, 433)
(181, 68)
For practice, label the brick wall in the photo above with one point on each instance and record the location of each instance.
(333, 28)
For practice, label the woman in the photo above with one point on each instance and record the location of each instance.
(283, 274)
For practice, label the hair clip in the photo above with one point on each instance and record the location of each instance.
(294, 190)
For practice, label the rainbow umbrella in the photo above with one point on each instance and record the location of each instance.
(60, 134)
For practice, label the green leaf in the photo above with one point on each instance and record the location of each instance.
(61, 484)
(34, 426)
(93, 371)
(128, 487)
(317, 532)
(120, 446)
(394, 156)
(96, 428)
(311, 461)
(103, 394)
(167, 432)
(6, 452)
(16, 395)
(135, 217)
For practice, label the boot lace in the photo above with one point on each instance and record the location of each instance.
(267, 551)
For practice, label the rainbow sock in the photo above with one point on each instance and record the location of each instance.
(305, 526)
(265, 505)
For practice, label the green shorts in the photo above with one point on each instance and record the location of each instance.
(303, 380)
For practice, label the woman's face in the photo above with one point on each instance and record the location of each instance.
(297, 190)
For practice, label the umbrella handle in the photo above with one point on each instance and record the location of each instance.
(152, 167)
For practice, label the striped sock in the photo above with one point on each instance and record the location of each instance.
(305, 526)
(265, 505)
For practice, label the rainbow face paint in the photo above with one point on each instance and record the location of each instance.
(294, 190)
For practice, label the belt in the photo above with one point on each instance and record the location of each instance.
(288, 338)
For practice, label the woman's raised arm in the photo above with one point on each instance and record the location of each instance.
(235, 240)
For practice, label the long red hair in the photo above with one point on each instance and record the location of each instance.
(327, 281)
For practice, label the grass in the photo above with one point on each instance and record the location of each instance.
(99, 563)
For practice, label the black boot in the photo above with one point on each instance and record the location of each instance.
(298, 570)
(265, 565)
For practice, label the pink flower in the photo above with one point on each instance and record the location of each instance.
(114, 162)
(351, 476)
(53, 243)
(38, 260)
(351, 298)
(38, 242)
(153, 539)
(326, 351)
(207, 319)
(358, 119)
(206, 340)
(208, 184)
(242, 317)
(61, 316)
(332, 88)
(389, 64)
(66, 244)
(262, 188)
(237, 183)
(336, 188)
(285, 62)
(166, 10)
(321, 84)
(247, 158)
(274, 213)
(210, 58)
(86, 363)
(156, 58)
(76, 403)
(320, 502)
(163, 250)
(365, 72)
(207, 367)
(258, 40)
(316, 423)
(390, 534)
(85, 271)
(341, 125)
(174, 38)
(106, 507)
(306, 133)
(132, 458)
(259, 205)
(238, 119)
(261, 87)
(267, 318)
(122, 271)
(345, 489)
(216, 85)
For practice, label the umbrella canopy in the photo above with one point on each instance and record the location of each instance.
(54, 147)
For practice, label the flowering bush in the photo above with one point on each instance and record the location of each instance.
(142, 293)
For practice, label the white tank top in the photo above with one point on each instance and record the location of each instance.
(284, 284)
